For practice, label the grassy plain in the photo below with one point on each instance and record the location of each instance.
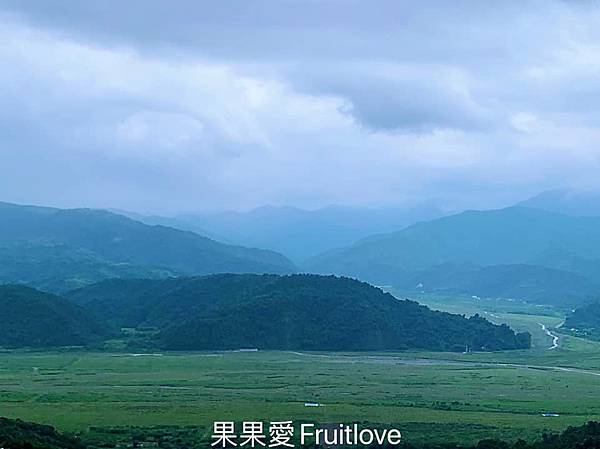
(430, 396)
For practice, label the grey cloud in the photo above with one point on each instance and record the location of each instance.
(303, 42)
(397, 97)
(156, 105)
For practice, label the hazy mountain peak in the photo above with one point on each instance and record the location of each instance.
(577, 203)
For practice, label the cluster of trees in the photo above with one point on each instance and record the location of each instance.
(17, 434)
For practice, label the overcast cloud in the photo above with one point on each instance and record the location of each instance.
(160, 106)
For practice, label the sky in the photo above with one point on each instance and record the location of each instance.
(181, 106)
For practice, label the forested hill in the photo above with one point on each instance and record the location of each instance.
(301, 312)
(533, 283)
(527, 240)
(31, 318)
(58, 249)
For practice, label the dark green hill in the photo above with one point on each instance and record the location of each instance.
(512, 236)
(302, 312)
(584, 321)
(519, 281)
(17, 434)
(63, 249)
(157, 303)
(31, 318)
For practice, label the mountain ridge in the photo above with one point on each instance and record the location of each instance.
(511, 236)
(60, 249)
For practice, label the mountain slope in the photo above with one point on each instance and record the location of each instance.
(31, 318)
(482, 238)
(63, 249)
(518, 281)
(303, 312)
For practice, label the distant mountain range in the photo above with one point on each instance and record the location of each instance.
(500, 252)
(297, 233)
(298, 312)
(302, 234)
(532, 253)
(61, 249)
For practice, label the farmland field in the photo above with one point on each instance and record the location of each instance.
(430, 396)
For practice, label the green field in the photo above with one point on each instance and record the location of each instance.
(430, 396)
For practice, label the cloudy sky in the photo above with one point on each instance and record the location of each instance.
(172, 106)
